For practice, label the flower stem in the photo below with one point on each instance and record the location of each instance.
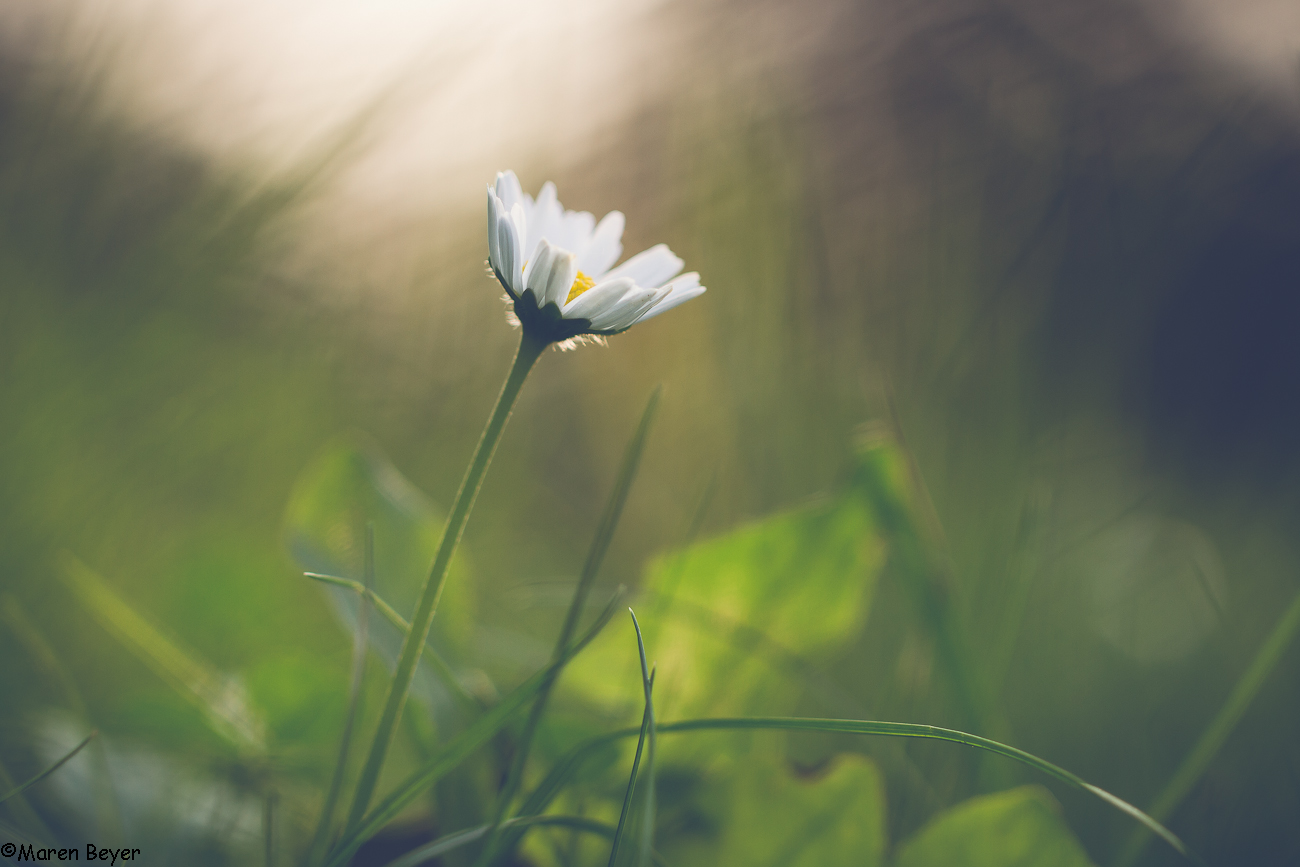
(530, 349)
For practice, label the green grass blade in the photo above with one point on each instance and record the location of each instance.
(23, 813)
(595, 556)
(446, 844)
(226, 710)
(360, 644)
(569, 765)
(1199, 759)
(459, 748)
(51, 769)
(390, 614)
(530, 350)
(632, 783)
(648, 808)
(107, 815)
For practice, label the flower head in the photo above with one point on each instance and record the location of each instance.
(558, 267)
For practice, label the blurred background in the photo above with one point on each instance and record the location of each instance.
(987, 420)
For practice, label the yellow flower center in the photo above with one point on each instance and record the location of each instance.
(581, 284)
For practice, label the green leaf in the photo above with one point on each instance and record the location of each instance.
(1019, 828)
(346, 486)
(733, 618)
(779, 820)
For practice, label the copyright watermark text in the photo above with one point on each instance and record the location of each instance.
(28, 852)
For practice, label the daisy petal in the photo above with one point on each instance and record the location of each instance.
(679, 294)
(508, 254)
(494, 247)
(652, 267)
(591, 303)
(545, 217)
(552, 274)
(508, 189)
(627, 310)
(605, 247)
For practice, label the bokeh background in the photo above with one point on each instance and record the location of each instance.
(1038, 260)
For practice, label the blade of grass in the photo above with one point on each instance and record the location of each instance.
(108, 818)
(459, 748)
(51, 769)
(360, 644)
(205, 687)
(446, 844)
(530, 350)
(390, 614)
(572, 761)
(1199, 759)
(22, 812)
(595, 556)
(648, 808)
(631, 782)
(923, 568)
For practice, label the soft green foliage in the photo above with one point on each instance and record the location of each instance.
(735, 616)
(1019, 828)
(989, 559)
(772, 817)
(343, 488)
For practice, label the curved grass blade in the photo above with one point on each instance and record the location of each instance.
(446, 844)
(595, 556)
(360, 644)
(51, 769)
(631, 782)
(107, 815)
(648, 809)
(460, 747)
(390, 614)
(1198, 760)
(567, 766)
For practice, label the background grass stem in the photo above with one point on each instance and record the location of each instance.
(1199, 759)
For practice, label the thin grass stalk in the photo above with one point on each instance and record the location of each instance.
(23, 813)
(460, 747)
(390, 614)
(648, 807)
(108, 818)
(590, 568)
(360, 644)
(446, 844)
(18, 790)
(530, 349)
(1199, 759)
(631, 783)
(573, 760)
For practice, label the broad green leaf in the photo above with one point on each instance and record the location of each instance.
(1018, 828)
(345, 487)
(766, 816)
(731, 622)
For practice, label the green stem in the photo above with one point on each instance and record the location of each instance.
(530, 349)
(595, 555)
(1198, 760)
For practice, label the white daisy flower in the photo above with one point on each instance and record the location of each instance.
(558, 267)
